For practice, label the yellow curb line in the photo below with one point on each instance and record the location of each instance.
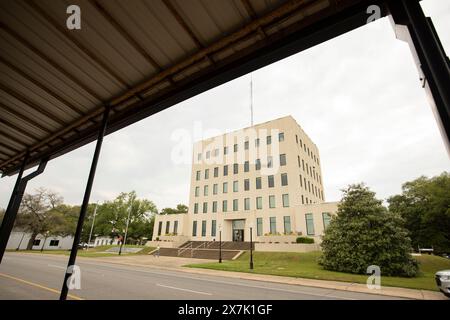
(38, 286)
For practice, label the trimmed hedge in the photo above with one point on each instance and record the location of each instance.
(305, 240)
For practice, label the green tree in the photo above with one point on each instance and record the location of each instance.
(425, 206)
(38, 214)
(181, 208)
(364, 233)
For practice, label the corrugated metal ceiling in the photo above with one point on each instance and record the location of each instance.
(55, 82)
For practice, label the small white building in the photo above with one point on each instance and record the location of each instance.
(20, 239)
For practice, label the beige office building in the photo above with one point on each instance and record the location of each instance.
(266, 177)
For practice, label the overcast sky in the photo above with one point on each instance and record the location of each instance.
(357, 96)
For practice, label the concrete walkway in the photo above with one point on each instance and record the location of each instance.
(175, 263)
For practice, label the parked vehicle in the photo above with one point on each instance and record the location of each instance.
(443, 281)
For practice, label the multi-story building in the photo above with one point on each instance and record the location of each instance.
(266, 177)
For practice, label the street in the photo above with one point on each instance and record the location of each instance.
(36, 276)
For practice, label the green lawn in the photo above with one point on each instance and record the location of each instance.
(305, 265)
(94, 252)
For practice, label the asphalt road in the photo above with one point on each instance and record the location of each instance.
(35, 276)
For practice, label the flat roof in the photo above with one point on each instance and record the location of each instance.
(139, 57)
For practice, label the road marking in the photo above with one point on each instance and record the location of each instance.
(38, 286)
(181, 289)
(55, 266)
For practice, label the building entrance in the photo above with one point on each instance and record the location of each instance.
(238, 230)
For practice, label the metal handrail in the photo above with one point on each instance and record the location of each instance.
(181, 250)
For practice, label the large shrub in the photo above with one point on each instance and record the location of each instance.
(364, 233)
(304, 240)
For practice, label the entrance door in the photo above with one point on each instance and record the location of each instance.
(238, 235)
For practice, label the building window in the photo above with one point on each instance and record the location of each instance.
(194, 228)
(225, 170)
(309, 224)
(216, 172)
(208, 154)
(285, 200)
(167, 227)
(258, 183)
(215, 188)
(247, 204)
(247, 184)
(298, 160)
(213, 228)
(195, 207)
(235, 186)
(303, 164)
(287, 224)
(258, 202)
(224, 206)
(159, 228)
(235, 147)
(246, 145)
(296, 139)
(271, 181)
(205, 190)
(258, 164)
(268, 139)
(301, 143)
(235, 168)
(284, 179)
(197, 191)
(206, 173)
(216, 152)
(214, 208)
(235, 205)
(225, 150)
(259, 227)
(175, 227)
(282, 159)
(269, 162)
(225, 187)
(54, 243)
(281, 136)
(199, 156)
(203, 228)
(301, 182)
(205, 207)
(273, 225)
(246, 166)
(257, 142)
(271, 202)
(197, 176)
(326, 217)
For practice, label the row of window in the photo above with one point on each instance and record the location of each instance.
(311, 188)
(215, 152)
(175, 227)
(258, 185)
(236, 167)
(309, 219)
(306, 149)
(247, 206)
(310, 171)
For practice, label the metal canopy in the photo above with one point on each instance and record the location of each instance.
(138, 57)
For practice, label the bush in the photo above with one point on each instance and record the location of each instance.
(305, 240)
(364, 233)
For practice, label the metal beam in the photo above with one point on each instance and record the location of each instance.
(430, 57)
(15, 201)
(24, 118)
(84, 206)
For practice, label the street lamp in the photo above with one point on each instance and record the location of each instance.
(126, 228)
(92, 226)
(220, 243)
(251, 245)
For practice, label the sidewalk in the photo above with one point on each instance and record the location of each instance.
(176, 264)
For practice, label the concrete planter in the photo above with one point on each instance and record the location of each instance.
(278, 239)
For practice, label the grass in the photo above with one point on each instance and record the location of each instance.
(97, 252)
(305, 265)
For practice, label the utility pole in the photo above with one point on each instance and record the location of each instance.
(126, 228)
(92, 226)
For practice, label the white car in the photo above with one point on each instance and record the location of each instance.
(443, 281)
